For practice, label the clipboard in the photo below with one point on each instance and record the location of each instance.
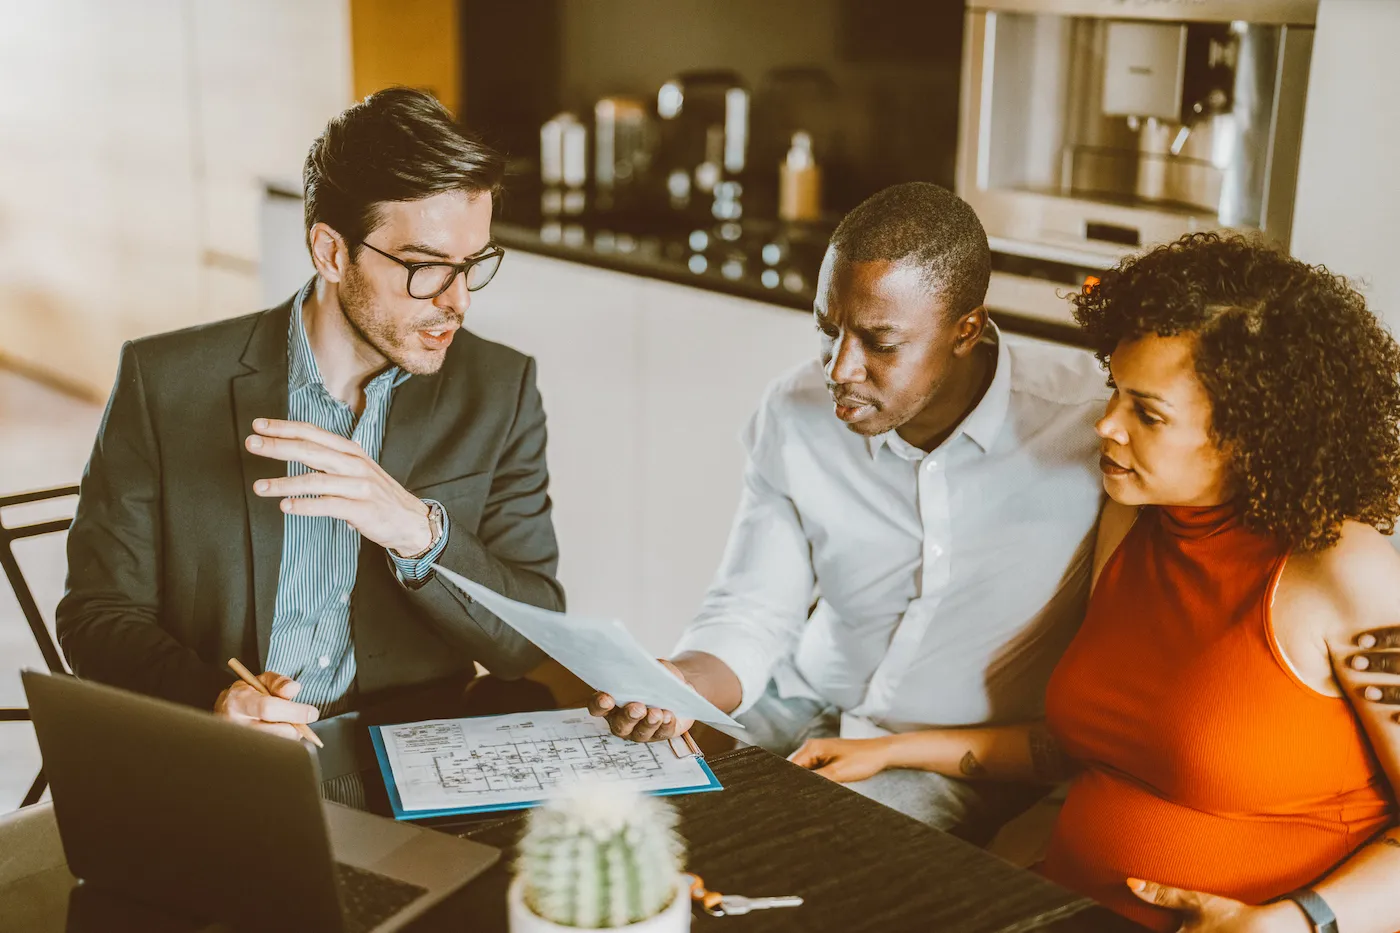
(521, 761)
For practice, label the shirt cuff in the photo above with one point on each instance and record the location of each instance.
(749, 658)
(413, 570)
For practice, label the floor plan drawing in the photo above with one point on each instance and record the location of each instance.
(488, 762)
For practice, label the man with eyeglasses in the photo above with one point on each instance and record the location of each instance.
(277, 487)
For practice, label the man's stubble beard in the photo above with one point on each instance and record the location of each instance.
(377, 330)
(884, 423)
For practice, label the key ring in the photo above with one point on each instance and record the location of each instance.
(708, 900)
(734, 905)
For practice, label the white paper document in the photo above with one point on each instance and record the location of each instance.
(443, 767)
(601, 652)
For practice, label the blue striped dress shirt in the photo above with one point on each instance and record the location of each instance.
(313, 638)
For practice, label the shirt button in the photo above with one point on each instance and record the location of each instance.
(345, 599)
(323, 661)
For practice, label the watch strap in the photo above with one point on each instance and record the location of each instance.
(1319, 914)
(435, 524)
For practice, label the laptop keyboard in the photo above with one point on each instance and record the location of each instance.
(369, 898)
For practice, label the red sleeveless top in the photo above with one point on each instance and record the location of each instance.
(1208, 765)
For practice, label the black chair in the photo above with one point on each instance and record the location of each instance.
(25, 598)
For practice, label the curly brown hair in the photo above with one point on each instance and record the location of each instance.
(1303, 380)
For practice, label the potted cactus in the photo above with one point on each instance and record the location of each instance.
(601, 857)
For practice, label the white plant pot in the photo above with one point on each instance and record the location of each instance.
(674, 919)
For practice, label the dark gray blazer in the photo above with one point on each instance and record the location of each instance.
(173, 561)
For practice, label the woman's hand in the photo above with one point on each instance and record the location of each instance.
(1211, 913)
(843, 760)
(1379, 659)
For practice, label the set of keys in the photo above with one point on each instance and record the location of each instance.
(734, 905)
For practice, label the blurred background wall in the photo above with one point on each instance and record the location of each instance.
(1348, 209)
(134, 139)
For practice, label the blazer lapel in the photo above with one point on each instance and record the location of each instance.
(410, 414)
(261, 392)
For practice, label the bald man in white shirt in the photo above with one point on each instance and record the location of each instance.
(912, 547)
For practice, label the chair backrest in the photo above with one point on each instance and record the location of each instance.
(24, 596)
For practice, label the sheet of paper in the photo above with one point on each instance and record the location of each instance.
(504, 762)
(602, 653)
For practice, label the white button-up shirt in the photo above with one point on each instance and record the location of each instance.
(942, 586)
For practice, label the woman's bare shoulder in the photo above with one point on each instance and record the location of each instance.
(1359, 577)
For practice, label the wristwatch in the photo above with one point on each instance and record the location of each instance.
(435, 523)
(1316, 909)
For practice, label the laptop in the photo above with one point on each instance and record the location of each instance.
(180, 809)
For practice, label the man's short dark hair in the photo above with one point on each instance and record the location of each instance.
(929, 227)
(395, 145)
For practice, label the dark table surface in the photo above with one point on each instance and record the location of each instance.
(774, 829)
(778, 829)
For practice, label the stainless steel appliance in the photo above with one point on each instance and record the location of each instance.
(1090, 128)
(704, 139)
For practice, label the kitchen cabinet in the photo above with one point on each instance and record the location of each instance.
(582, 327)
(646, 387)
(706, 359)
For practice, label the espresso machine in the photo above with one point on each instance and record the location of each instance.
(703, 143)
(1092, 128)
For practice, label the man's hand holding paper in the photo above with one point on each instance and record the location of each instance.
(639, 722)
(604, 655)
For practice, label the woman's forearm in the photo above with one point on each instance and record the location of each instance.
(1362, 891)
(1024, 752)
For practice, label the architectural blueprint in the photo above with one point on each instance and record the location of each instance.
(504, 762)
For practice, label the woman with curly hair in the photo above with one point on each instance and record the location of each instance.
(1228, 771)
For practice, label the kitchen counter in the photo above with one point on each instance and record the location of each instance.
(740, 266)
(760, 260)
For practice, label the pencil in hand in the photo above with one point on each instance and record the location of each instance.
(247, 677)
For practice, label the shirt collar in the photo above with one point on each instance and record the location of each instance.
(982, 424)
(302, 370)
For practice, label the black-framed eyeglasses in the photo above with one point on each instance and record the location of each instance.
(429, 279)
